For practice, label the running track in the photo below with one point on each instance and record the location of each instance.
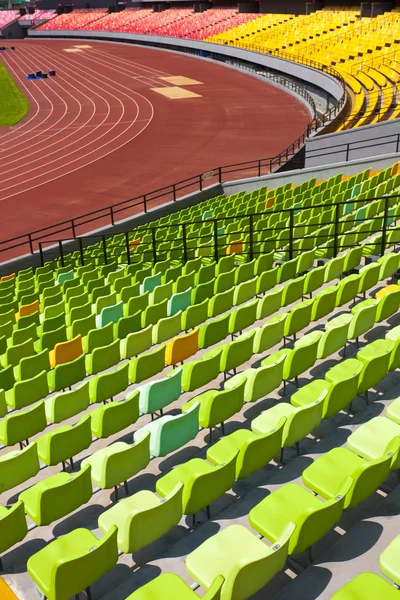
(97, 133)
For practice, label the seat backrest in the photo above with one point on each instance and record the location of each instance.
(270, 304)
(299, 317)
(303, 356)
(226, 403)
(325, 302)
(115, 416)
(205, 488)
(167, 328)
(23, 425)
(155, 395)
(270, 334)
(147, 365)
(335, 337)
(69, 440)
(182, 347)
(214, 331)
(13, 526)
(197, 373)
(28, 391)
(111, 314)
(148, 525)
(347, 289)
(67, 351)
(137, 342)
(259, 451)
(303, 420)
(67, 374)
(126, 462)
(243, 317)
(265, 379)
(15, 353)
(73, 574)
(194, 315)
(293, 290)
(106, 386)
(314, 523)
(221, 303)
(267, 280)
(68, 404)
(18, 466)
(97, 338)
(154, 312)
(176, 431)
(103, 358)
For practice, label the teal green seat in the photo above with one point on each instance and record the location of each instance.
(57, 496)
(203, 483)
(214, 331)
(73, 562)
(66, 375)
(197, 373)
(169, 433)
(103, 358)
(216, 406)
(156, 395)
(149, 283)
(110, 314)
(262, 381)
(366, 586)
(143, 518)
(146, 365)
(313, 518)
(13, 527)
(28, 391)
(64, 442)
(116, 416)
(19, 427)
(245, 562)
(137, 342)
(118, 463)
(255, 451)
(104, 387)
(18, 467)
(68, 404)
(327, 474)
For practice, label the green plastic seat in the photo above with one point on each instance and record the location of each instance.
(302, 357)
(327, 474)
(335, 336)
(203, 483)
(137, 342)
(82, 326)
(150, 282)
(246, 563)
(50, 338)
(270, 334)
(388, 305)
(364, 318)
(169, 433)
(376, 358)
(169, 586)
(372, 439)
(298, 318)
(214, 331)
(17, 467)
(13, 526)
(267, 280)
(73, 562)
(324, 303)
(156, 395)
(118, 463)
(68, 404)
(270, 303)
(103, 358)
(347, 289)
(366, 586)
(300, 421)
(245, 291)
(262, 381)
(147, 365)
(334, 268)
(369, 276)
(314, 280)
(243, 317)
(184, 282)
(389, 264)
(154, 312)
(57, 496)
(224, 282)
(143, 518)
(167, 328)
(28, 391)
(137, 303)
(14, 354)
(197, 373)
(104, 387)
(127, 325)
(97, 338)
(216, 406)
(23, 425)
(64, 442)
(394, 335)
(66, 375)
(292, 502)
(194, 316)
(116, 416)
(293, 291)
(255, 451)
(220, 303)
(388, 561)
(22, 335)
(161, 292)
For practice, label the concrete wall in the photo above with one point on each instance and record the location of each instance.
(315, 77)
(362, 142)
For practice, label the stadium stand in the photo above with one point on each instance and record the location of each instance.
(7, 17)
(202, 311)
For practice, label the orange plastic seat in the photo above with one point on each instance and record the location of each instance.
(28, 309)
(66, 351)
(270, 202)
(182, 347)
(7, 277)
(133, 244)
(235, 247)
(386, 290)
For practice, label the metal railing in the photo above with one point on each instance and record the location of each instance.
(216, 246)
(349, 147)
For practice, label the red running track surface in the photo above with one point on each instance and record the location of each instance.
(97, 133)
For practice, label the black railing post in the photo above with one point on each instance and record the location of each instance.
(336, 232)
(144, 203)
(291, 227)
(397, 142)
(30, 243)
(61, 253)
(41, 254)
(385, 220)
(259, 168)
(251, 237)
(112, 215)
(174, 192)
(219, 174)
(347, 152)
(73, 228)
(128, 248)
(103, 237)
(201, 182)
(81, 251)
(154, 244)
(184, 242)
(216, 240)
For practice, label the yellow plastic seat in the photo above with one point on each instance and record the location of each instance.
(235, 247)
(65, 352)
(182, 347)
(386, 290)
